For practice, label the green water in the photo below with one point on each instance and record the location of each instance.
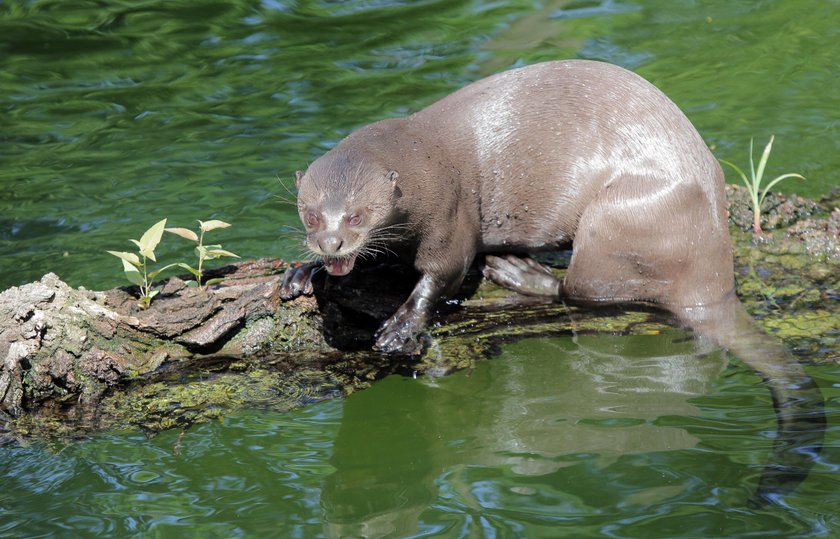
(118, 114)
(591, 437)
(114, 115)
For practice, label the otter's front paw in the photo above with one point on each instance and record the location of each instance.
(399, 333)
(298, 281)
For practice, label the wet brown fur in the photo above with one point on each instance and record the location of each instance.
(556, 154)
(569, 153)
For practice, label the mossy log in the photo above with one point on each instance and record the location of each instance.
(74, 360)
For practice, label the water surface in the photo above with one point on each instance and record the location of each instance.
(118, 114)
(600, 436)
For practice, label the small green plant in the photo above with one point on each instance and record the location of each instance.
(135, 267)
(755, 180)
(204, 252)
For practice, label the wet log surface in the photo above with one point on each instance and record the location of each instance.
(74, 360)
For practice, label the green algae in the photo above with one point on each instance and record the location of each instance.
(791, 293)
(804, 324)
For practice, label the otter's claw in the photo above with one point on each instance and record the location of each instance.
(399, 333)
(298, 281)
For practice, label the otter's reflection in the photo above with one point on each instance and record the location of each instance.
(543, 400)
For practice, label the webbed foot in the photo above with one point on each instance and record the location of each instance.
(298, 281)
(523, 275)
(399, 333)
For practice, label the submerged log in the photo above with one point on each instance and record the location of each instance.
(73, 360)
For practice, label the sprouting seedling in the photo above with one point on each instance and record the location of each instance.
(204, 252)
(135, 267)
(754, 182)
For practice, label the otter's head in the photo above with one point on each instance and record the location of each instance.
(342, 201)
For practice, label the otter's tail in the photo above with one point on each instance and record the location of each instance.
(797, 400)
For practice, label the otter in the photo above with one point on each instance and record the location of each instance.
(565, 154)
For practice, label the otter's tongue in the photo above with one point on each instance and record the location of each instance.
(339, 266)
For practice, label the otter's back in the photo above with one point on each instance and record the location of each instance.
(555, 134)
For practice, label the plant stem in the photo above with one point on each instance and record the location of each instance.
(200, 258)
(144, 290)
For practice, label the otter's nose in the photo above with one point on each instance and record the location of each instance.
(330, 245)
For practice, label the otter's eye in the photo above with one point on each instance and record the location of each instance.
(354, 220)
(312, 219)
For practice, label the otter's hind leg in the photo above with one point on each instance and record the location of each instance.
(650, 240)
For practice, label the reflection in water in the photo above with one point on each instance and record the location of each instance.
(797, 400)
(534, 412)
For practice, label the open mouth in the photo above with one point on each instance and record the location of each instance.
(339, 266)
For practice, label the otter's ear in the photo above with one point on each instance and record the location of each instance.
(298, 176)
(392, 177)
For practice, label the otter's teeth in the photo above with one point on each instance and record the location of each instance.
(339, 266)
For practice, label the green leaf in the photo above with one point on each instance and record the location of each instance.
(153, 274)
(208, 251)
(201, 252)
(214, 281)
(776, 180)
(763, 161)
(207, 226)
(128, 257)
(221, 252)
(189, 269)
(132, 274)
(192, 284)
(151, 238)
(153, 293)
(185, 233)
(740, 173)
